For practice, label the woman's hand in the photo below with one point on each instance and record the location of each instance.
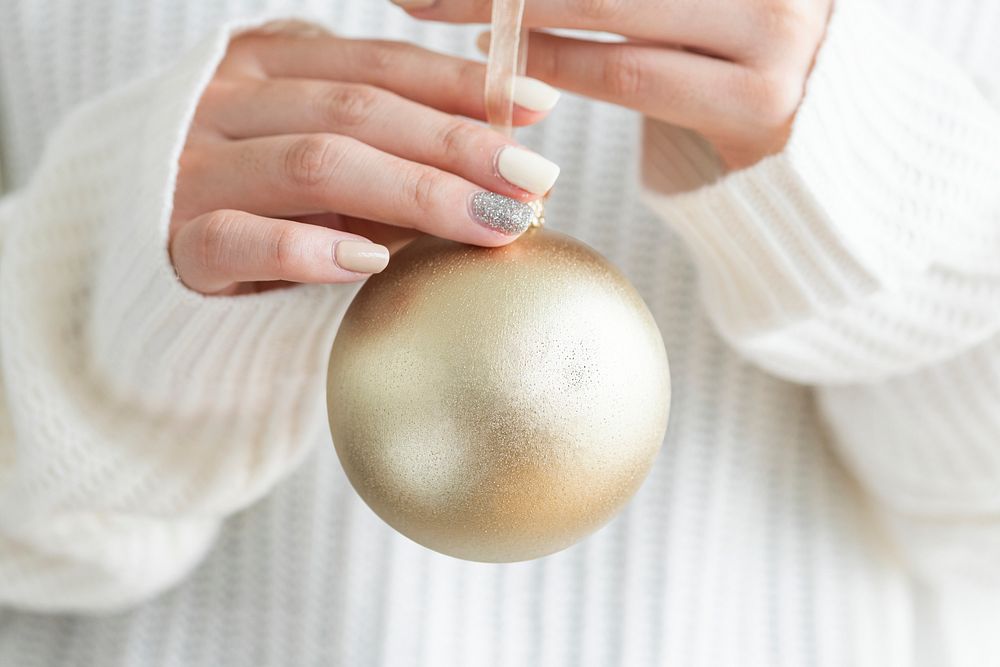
(733, 70)
(308, 152)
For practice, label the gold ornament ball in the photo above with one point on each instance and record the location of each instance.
(498, 404)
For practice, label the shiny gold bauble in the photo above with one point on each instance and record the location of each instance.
(498, 404)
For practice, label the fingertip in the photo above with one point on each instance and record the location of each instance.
(523, 196)
(525, 118)
(500, 240)
(483, 42)
(490, 238)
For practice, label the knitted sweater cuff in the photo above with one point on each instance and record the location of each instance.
(887, 128)
(151, 338)
(143, 412)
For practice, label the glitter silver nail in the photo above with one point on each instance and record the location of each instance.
(503, 214)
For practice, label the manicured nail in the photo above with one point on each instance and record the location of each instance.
(528, 171)
(361, 256)
(414, 4)
(483, 42)
(534, 95)
(499, 213)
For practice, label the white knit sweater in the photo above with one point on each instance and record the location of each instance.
(859, 268)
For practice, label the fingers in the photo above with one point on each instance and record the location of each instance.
(381, 119)
(292, 175)
(214, 252)
(450, 84)
(686, 89)
(726, 29)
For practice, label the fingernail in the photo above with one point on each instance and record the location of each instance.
(361, 256)
(528, 171)
(483, 42)
(499, 213)
(529, 93)
(414, 4)
(534, 95)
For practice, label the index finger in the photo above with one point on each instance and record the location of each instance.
(447, 83)
(724, 29)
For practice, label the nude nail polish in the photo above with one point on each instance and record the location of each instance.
(413, 4)
(526, 170)
(361, 256)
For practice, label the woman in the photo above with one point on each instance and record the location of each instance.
(830, 172)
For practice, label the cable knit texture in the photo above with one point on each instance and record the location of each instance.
(829, 491)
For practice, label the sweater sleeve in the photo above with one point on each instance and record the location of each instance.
(134, 413)
(865, 260)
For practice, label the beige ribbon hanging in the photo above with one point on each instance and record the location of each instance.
(508, 48)
(508, 58)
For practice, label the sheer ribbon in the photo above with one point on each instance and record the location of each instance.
(507, 58)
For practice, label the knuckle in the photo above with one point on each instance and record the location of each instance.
(625, 73)
(597, 10)
(457, 138)
(781, 98)
(311, 160)
(382, 56)
(244, 54)
(219, 95)
(212, 254)
(786, 22)
(284, 249)
(192, 164)
(771, 98)
(217, 90)
(470, 76)
(243, 47)
(349, 105)
(789, 31)
(420, 192)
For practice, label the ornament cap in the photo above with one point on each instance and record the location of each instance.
(538, 209)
